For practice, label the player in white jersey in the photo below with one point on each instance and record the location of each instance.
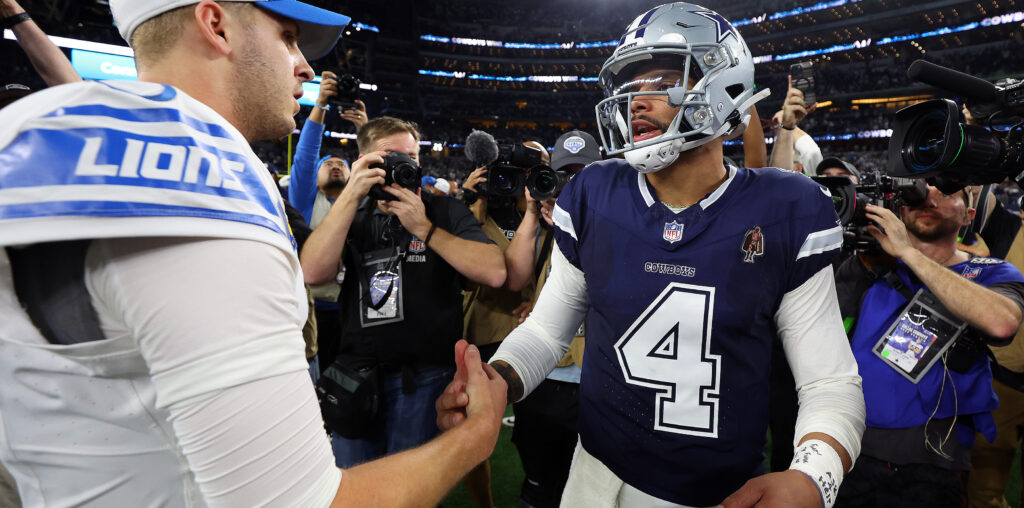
(151, 302)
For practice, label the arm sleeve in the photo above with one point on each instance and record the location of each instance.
(215, 322)
(825, 371)
(302, 187)
(536, 346)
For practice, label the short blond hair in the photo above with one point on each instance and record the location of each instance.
(155, 37)
(382, 127)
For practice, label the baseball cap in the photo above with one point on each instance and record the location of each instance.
(575, 147)
(835, 162)
(442, 185)
(12, 92)
(428, 180)
(319, 29)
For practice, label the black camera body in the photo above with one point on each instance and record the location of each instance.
(348, 93)
(401, 169)
(874, 188)
(545, 183)
(506, 176)
(931, 140)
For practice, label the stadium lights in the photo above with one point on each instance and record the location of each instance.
(883, 100)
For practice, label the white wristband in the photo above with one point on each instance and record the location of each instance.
(816, 459)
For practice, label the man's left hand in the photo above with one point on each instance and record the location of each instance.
(409, 209)
(890, 231)
(785, 489)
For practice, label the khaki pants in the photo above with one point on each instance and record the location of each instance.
(8, 491)
(991, 462)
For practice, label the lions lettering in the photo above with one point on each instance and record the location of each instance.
(160, 161)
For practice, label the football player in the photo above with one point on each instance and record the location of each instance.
(656, 250)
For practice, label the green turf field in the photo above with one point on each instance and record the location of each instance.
(507, 476)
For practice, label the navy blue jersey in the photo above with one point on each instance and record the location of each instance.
(674, 391)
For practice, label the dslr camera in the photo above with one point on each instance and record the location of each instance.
(348, 92)
(506, 176)
(931, 140)
(398, 168)
(545, 183)
(874, 188)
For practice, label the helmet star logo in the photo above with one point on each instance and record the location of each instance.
(721, 24)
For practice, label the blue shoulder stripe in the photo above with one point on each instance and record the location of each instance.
(144, 115)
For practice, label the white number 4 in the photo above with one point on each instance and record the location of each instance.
(668, 348)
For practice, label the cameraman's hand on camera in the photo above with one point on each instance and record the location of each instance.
(793, 108)
(363, 176)
(358, 117)
(478, 175)
(328, 88)
(409, 209)
(889, 230)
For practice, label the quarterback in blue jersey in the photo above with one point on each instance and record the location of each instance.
(686, 270)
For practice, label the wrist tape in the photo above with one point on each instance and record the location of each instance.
(816, 459)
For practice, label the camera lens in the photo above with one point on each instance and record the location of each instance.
(406, 175)
(926, 141)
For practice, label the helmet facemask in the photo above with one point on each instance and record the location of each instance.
(714, 61)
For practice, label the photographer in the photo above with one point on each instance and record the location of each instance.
(545, 426)
(492, 313)
(313, 198)
(921, 416)
(405, 260)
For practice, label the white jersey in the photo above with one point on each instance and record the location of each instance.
(156, 412)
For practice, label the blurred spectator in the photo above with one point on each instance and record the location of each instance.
(834, 166)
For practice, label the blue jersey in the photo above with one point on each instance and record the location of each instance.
(891, 401)
(674, 391)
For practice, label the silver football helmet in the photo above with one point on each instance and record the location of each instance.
(692, 58)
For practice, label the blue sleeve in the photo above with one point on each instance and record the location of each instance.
(816, 235)
(568, 218)
(302, 186)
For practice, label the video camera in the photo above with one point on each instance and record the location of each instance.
(398, 168)
(874, 188)
(348, 93)
(545, 183)
(930, 139)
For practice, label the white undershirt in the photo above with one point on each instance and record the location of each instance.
(215, 321)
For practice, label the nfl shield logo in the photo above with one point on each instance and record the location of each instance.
(971, 273)
(673, 232)
(416, 245)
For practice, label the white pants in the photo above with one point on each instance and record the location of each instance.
(591, 484)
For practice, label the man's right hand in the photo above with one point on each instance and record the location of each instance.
(363, 176)
(793, 108)
(478, 175)
(476, 393)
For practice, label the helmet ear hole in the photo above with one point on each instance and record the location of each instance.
(735, 90)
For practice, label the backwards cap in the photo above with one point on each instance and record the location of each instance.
(319, 29)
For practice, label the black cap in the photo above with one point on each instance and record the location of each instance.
(575, 147)
(835, 162)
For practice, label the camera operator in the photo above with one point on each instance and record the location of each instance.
(405, 261)
(794, 149)
(834, 166)
(921, 416)
(545, 421)
(492, 313)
